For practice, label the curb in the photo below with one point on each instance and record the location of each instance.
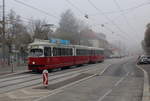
(5, 74)
(146, 93)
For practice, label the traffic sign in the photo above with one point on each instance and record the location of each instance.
(45, 78)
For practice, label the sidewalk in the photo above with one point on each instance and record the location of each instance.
(146, 89)
(7, 69)
(147, 69)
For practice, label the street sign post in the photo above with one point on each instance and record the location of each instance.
(45, 78)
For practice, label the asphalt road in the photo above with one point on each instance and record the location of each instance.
(112, 80)
(122, 81)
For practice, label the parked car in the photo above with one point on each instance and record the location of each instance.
(144, 59)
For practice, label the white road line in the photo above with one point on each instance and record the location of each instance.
(33, 93)
(146, 85)
(12, 96)
(108, 92)
(61, 88)
(118, 82)
(104, 69)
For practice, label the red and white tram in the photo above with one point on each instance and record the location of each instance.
(45, 55)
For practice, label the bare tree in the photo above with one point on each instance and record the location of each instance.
(39, 30)
(147, 36)
(68, 27)
(16, 33)
(146, 42)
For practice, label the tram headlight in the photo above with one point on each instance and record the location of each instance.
(33, 62)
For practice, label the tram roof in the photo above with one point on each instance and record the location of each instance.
(47, 43)
(96, 48)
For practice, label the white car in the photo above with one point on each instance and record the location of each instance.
(144, 59)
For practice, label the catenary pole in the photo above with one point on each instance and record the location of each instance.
(3, 31)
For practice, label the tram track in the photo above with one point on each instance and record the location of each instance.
(15, 78)
(55, 72)
(22, 81)
(17, 81)
(29, 74)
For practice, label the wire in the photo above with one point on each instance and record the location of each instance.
(122, 13)
(91, 3)
(125, 10)
(28, 20)
(16, 20)
(135, 7)
(69, 2)
(37, 9)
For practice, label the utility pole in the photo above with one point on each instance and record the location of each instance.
(3, 31)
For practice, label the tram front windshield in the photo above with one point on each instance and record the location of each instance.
(36, 53)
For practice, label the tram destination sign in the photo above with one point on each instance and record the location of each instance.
(60, 41)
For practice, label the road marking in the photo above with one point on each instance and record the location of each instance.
(12, 96)
(118, 82)
(76, 82)
(60, 89)
(146, 85)
(104, 69)
(107, 93)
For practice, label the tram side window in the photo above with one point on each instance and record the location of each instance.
(99, 52)
(88, 52)
(96, 52)
(70, 52)
(81, 52)
(56, 51)
(62, 52)
(102, 52)
(78, 52)
(47, 51)
(92, 52)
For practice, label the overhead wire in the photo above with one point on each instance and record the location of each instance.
(69, 2)
(37, 9)
(126, 9)
(135, 7)
(99, 10)
(124, 16)
(26, 20)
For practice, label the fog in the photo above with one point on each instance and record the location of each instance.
(125, 22)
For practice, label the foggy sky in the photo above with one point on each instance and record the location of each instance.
(131, 22)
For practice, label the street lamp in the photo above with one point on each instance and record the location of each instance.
(86, 16)
(102, 25)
